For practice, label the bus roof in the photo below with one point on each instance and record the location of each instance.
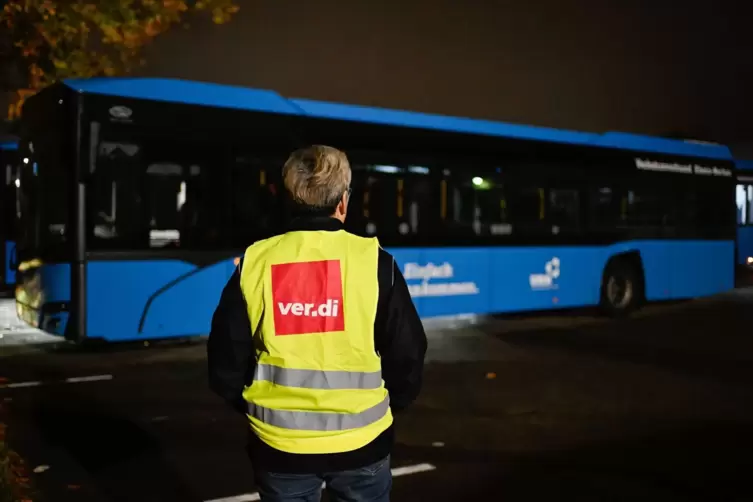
(223, 96)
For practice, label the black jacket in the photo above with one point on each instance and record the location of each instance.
(398, 336)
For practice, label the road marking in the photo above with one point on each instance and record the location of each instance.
(248, 497)
(398, 471)
(92, 378)
(20, 385)
(412, 469)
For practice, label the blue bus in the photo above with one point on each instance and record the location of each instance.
(744, 203)
(8, 166)
(140, 195)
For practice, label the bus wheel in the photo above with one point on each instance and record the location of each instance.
(621, 288)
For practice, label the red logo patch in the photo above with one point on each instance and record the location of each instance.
(307, 297)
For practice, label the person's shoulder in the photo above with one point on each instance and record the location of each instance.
(254, 250)
(385, 261)
(361, 243)
(359, 238)
(265, 243)
(386, 267)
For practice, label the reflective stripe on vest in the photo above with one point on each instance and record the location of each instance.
(315, 379)
(319, 421)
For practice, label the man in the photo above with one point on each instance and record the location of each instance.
(317, 341)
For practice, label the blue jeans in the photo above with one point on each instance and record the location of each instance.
(367, 484)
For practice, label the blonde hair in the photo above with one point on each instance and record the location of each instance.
(317, 176)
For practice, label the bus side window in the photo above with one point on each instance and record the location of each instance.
(741, 197)
(604, 208)
(155, 192)
(473, 203)
(393, 201)
(713, 207)
(564, 209)
(185, 203)
(257, 199)
(686, 211)
(377, 201)
(644, 208)
(528, 207)
(115, 214)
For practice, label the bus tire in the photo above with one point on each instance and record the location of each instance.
(622, 287)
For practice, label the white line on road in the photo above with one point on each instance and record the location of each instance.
(412, 469)
(398, 471)
(20, 385)
(93, 378)
(247, 497)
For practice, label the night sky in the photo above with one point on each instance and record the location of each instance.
(650, 66)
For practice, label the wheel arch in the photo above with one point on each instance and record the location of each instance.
(633, 261)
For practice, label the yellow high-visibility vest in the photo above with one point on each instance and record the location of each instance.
(312, 300)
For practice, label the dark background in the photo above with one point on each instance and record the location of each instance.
(651, 66)
(660, 67)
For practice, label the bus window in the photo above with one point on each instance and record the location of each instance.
(604, 208)
(473, 203)
(749, 219)
(713, 217)
(43, 189)
(420, 201)
(528, 206)
(394, 201)
(257, 209)
(643, 208)
(154, 193)
(741, 198)
(114, 199)
(564, 210)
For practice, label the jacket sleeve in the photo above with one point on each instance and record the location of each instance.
(399, 336)
(230, 349)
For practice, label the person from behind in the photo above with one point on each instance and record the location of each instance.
(317, 341)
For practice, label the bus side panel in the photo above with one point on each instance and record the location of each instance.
(445, 282)
(744, 244)
(700, 268)
(546, 278)
(162, 299)
(10, 260)
(185, 308)
(145, 295)
(676, 270)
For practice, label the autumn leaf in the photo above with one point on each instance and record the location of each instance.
(15, 484)
(58, 39)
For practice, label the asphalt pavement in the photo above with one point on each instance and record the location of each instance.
(557, 407)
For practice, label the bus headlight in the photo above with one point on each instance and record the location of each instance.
(749, 261)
